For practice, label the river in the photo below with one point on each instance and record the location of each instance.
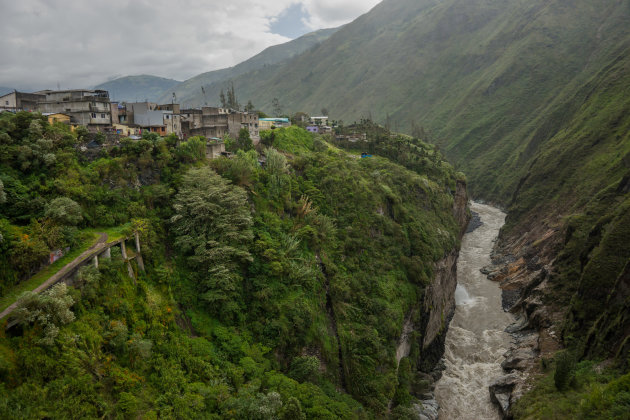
(476, 341)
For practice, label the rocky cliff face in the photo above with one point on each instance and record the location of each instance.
(522, 263)
(437, 310)
(439, 298)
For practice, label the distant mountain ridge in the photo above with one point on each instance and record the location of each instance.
(137, 88)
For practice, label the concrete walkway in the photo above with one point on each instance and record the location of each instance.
(95, 249)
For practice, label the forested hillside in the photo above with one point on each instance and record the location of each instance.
(274, 291)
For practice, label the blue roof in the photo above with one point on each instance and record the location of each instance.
(284, 120)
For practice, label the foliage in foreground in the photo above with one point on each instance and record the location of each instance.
(589, 395)
(275, 291)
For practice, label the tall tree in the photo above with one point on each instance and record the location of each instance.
(244, 141)
(212, 227)
(222, 99)
(232, 100)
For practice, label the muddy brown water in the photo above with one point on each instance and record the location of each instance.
(476, 341)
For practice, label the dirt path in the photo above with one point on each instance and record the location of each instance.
(100, 244)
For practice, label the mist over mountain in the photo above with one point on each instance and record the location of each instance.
(137, 88)
(189, 92)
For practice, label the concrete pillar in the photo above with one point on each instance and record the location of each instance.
(123, 250)
(108, 253)
(130, 271)
(95, 259)
(139, 257)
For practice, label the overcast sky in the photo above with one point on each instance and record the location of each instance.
(80, 43)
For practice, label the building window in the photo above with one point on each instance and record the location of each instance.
(93, 115)
(7, 102)
(102, 115)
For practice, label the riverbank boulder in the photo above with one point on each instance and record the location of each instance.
(501, 391)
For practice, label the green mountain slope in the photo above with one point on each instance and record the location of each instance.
(189, 92)
(138, 88)
(531, 100)
(476, 73)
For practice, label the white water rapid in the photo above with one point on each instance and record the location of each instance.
(476, 340)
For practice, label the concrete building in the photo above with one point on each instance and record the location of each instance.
(160, 119)
(89, 108)
(20, 101)
(214, 148)
(127, 131)
(61, 118)
(319, 121)
(218, 122)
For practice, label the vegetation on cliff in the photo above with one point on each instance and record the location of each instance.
(271, 291)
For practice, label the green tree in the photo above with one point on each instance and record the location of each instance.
(244, 141)
(222, 99)
(278, 169)
(229, 142)
(292, 410)
(304, 368)
(192, 150)
(232, 100)
(49, 310)
(65, 211)
(3, 195)
(250, 106)
(212, 227)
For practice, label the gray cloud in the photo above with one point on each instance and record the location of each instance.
(80, 43)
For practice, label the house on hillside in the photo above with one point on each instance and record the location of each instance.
(61, 118)
(214, 148)
(148, 116)
(321, 129)
(20, 101)
(89, 108)
(218, 122)
(319, 121)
